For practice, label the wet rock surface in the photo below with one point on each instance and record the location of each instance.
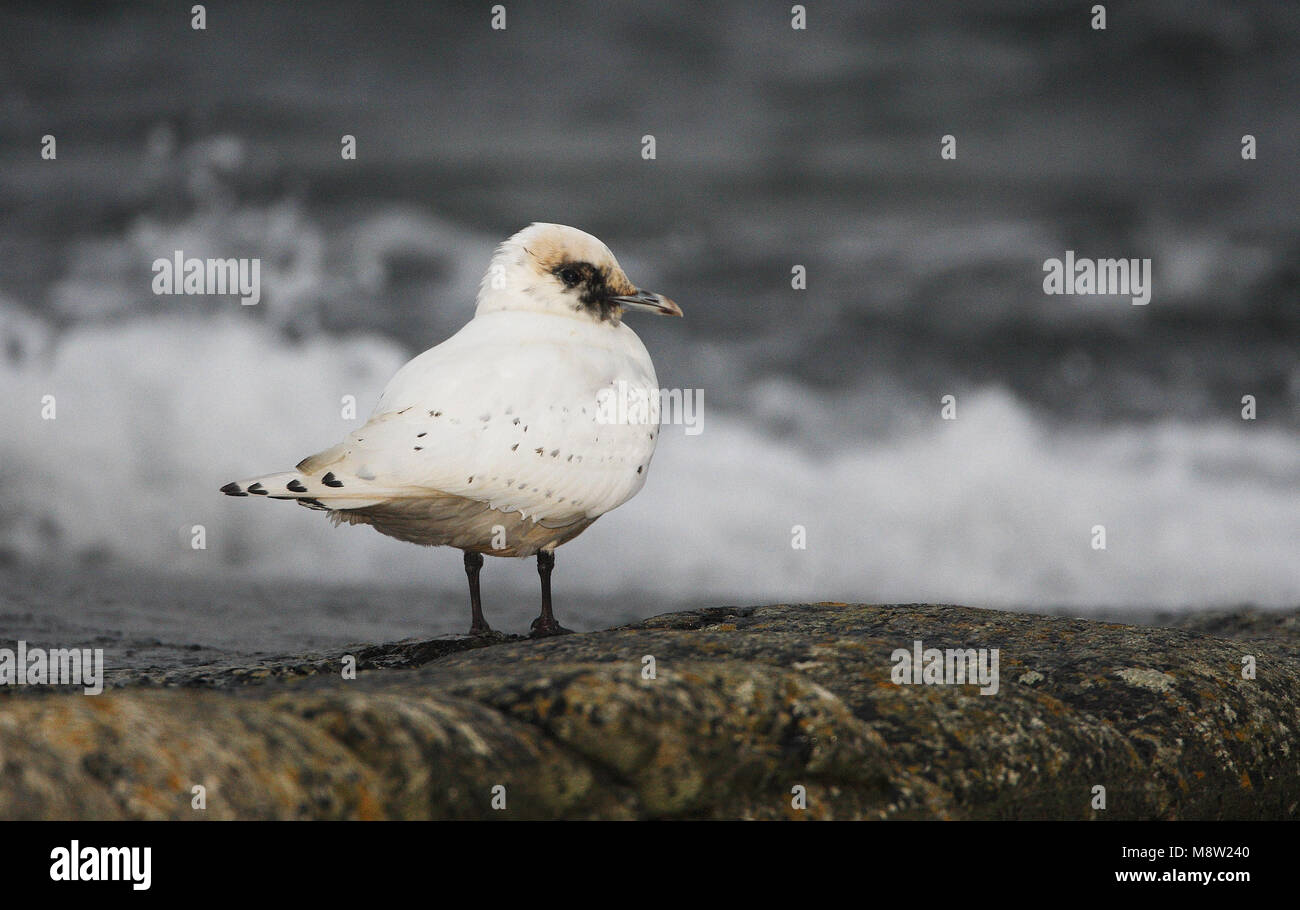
(748, 711)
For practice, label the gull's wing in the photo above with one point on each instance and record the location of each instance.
(510, 416)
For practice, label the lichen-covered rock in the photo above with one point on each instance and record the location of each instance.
(768, 712)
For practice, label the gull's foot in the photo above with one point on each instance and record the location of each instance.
(483, 631)
(544, 627)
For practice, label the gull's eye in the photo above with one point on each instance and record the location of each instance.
(571, 277)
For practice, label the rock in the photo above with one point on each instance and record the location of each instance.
(747, 708)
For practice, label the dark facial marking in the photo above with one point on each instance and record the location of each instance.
(592, 286)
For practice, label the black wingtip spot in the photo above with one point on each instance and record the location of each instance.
(257, 489)
(295, 486)
(232, 489)
(331, 481)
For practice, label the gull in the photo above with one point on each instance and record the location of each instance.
(495, 441)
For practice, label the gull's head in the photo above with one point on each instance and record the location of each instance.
(552, 268)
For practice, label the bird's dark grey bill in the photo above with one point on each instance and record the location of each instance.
(649, 301)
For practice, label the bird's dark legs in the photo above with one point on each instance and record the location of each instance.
(546, 624)
(478, 625)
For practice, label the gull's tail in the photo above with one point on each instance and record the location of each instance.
(312, 492)
(332, 480)
(311, 488)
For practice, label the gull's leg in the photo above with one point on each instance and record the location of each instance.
(478, 625)
(545, 624)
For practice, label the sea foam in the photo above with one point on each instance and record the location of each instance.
(997, 507)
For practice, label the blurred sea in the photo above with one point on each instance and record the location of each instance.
(774, 148)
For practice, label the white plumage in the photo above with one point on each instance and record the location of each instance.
(496, 440)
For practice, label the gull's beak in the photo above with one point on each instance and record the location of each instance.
(647, 300)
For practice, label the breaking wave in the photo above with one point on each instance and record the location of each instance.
(997, 507)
